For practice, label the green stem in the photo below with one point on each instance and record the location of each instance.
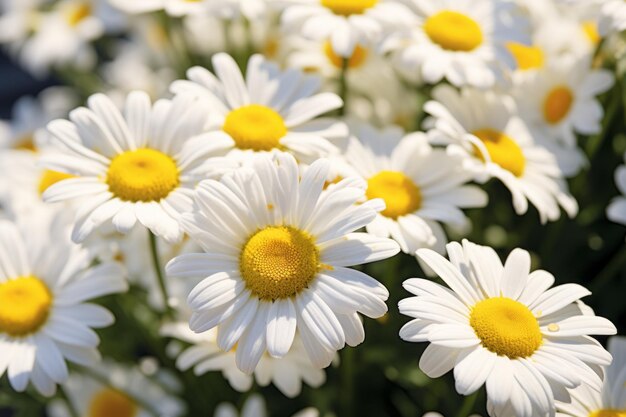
(70, 405)
(468, 405)
(610, 269)
(169, 313)
(593, 144)
(347, 382)
(343, 86)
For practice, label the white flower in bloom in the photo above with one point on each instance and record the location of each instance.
(45, 282)
(141, 165)
(250, 9)
(613, 16)
(286, 373)
(462, 41)
(277, 251)
(484, 127)
(255, 407)
(421, 186)
(501, 326)
(345, 24)
(561, 100)
(616, 211)
(271, 109)
(117, 390)
(611, 402)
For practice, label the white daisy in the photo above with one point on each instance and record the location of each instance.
(276, 256)
(45, 282)
(613, 16)
(462, 41)
(422, 187)
(139, 165)
(561, 100)
(503, 327)
(115, 390)
(270, 109)
(255, 407)
(251, 9)
(611, 402)
(485, 128)
(344, 23)
(286, 373)
(616, 211)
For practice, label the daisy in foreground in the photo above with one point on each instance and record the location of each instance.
(141, 165)
(44, 319)
(269, 110)
(502, 326)
(277, 249)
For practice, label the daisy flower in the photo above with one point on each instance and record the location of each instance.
(344, 23)
(286, 373)
(484, 127)
(116, 390)
(250, 9)
(269, 110)
(255, 407)
(561, 100)
(611, 402)
(141, 165)
(45, 320)
(277, 249)
(613, 18)
(501, 326)
(616, 211)
(422, 187)
(463, 41)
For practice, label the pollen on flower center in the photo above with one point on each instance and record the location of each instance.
(526, 57)
(608, 413)
(506, 327)
(49, 178)
(24, 305)
(348, 7)
(255, 127)
(557, 104)
(77, 13)
(454, 31)
(279, 262)
(357, 58)
(502, 150)
(111, 402)
(142, 175)
(400, 193)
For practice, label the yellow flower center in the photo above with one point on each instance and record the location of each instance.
(400, 193)
(26, 143)
(142, 175)
(557, 104)
(506, 327)
(608, 413)
(255, 127)
(502, 150)
(50, 177)
(24, 305)
(76, 13)
(348, 7)
(454, 31)
(590, 28)
(357, 58)
(527, 57)
(279, 262)
(110, 402)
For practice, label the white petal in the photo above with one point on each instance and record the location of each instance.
(281, 327)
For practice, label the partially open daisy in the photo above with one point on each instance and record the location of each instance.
(463, 41)
(484, 126)
(611, 401)
(277, 249)
(139, 166)
(561, 100)
(422, 187)
(346, 24)
(501, 326)
(616, 211)
(45, 281)
(269, 110)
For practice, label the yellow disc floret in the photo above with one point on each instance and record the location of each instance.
(255, 127)
(78, 12)
(357, 58)
(608, 413)
(24, 305)
(400, 193)
(506, 327)
(502, 150)
(526, 57)
(348, 7)
(557, 104)
(279, 262)
(112, 403)
(50, 177)
(142, 175)
(454, 31)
